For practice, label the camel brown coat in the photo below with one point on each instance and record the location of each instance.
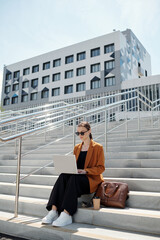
(94, 163)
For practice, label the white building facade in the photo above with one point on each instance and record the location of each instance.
(95, 67)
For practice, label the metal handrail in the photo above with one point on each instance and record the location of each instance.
(89, 112)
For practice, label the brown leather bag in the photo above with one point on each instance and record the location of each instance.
(113, 194)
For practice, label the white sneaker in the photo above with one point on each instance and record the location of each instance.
(51, 216)
(63, 220)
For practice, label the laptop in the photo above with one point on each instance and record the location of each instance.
(65, 164)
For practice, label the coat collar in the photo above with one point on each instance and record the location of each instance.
(89, 153)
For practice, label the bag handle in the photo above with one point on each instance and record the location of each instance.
(112, 191)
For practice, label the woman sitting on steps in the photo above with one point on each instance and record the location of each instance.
(62, 203)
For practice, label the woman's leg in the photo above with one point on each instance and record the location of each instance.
(76, 186)
(58, 191)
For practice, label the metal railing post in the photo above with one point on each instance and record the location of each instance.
(138, 108)
(18, 177)
(74, 129)
(152, 116)
(126, 120)
(106, 130)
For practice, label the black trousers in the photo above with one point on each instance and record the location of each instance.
(66, 191)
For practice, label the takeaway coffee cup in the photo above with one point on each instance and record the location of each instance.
(96, 203)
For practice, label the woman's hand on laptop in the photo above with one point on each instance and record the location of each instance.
(81, 171)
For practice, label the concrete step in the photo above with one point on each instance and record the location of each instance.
(136, 148)
(30, 227)
(109, 172)
(130, 219)
(34, 162)
(135, 184)
(137, 199)
(133, 172)
(133, 163)
(134, 155)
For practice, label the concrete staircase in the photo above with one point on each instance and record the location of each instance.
(134, 159)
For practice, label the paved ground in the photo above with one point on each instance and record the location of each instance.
(7, 237)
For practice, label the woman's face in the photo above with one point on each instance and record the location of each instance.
(85, 131)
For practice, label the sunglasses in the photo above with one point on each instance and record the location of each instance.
(80, 133)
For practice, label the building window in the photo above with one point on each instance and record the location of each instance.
(25, 84)
(15, 87)
(55, 91)
(110, 81)
(35, 69)
(26, 71)
(34, 96)
(95, 84)
(69, 59)
(95, 67)
(46, 65)
(7, 89)
(57, 62)
(81, 71)
(34, 83)
(56, 77)
(24, 98)
(45, 93)
(15, 100)
(45, 79)
(80, 87)
(68, 89)
(6, 101)
(109, 48)
(95, 52)
(16, 74)
(8, 75)
(69, 74)
(81, 56)
(109, 65)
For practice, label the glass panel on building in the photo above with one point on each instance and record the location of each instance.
(81, 56)
(57, 62)
(45, 93)
(35, 69)
(46, 65)
(69, 59)
(8, 75)
(55, 91)
(68, 89)
(26, 71)
(81, 71)
(34, 96)
(45, 79)
(16, 74)
(95, 84)
(6, 101)
(80, 87)
(109, 48)
(56, 77)
(95, 52)
(95, 67)
(15, 100)
(34, 83)
(110, 81)
(25, 84)
(15, 87)
(69, 74)
(25, 98)
(7, 89)
(109, 65)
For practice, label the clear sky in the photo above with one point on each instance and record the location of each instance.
(32, 27)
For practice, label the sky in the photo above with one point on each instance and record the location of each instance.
(32, 27)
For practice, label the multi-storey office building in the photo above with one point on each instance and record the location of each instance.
(93, 67)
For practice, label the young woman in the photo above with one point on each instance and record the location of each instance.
(62, 203)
